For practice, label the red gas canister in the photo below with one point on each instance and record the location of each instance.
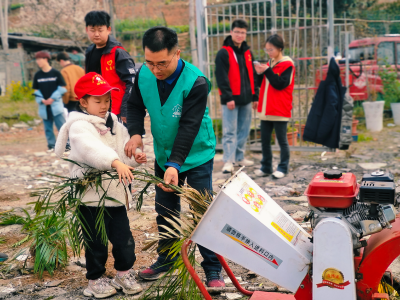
(332, 189)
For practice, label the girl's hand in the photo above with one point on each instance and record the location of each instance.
(123, 170)
(260, 68)
(141, 158)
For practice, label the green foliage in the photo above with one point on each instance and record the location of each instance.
(180, 28)
(391, 85)
(49, 242)
(217, 125)
(16, 6)
(11, 219)
(137, 24)
(358, 112)
(58, 222)
(177, 282)
(25, 117)
(18, 92)
(219, 28)
(364, 138)
(134, 28)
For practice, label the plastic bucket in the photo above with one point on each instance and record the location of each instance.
(396, 112)
(374, 115)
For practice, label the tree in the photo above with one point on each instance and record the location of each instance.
(61, 19)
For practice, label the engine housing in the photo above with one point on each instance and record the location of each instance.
(330, 194)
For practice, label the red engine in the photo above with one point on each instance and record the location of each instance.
(332, 189)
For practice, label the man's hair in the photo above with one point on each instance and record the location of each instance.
(159, 38)
(277, 41)
(63, 56)
(97, 18)
(43, 54)
(239, 24)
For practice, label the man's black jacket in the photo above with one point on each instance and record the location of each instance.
(221, 73)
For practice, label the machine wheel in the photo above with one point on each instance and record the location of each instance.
(386, 286)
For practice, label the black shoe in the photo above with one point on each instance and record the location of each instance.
(214, 279)
(155, 271)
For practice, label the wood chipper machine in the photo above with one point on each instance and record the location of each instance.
(355, 237)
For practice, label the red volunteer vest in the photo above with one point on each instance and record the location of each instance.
(278, 102)
(234, 72)
(110, 75)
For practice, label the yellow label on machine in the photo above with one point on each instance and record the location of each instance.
(283, 232)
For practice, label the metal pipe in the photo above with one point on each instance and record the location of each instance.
(346, 42)
(192, 272)
(232, 276)
(201, 38)
(331, 50)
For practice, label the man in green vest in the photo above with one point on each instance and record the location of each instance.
(174, 92)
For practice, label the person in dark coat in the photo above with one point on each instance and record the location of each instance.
(324, 119)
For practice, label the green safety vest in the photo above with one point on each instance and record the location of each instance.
(165, 119)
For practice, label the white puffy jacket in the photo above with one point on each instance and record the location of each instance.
(93, 144)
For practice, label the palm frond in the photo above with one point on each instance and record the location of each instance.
(177, 282)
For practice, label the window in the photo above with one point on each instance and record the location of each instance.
(362, 53)
(386, 53)
(398, 53)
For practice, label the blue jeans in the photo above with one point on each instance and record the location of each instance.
(236, 127)
(281, 135)
(59, 120)
(168, 204)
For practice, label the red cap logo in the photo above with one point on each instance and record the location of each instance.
(92, 84)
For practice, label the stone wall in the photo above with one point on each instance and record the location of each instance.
(16, 64)
(174, 12)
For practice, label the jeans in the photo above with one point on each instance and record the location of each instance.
(118, 232)
(281, 135)
(59, 120)
(168, 204)
(236, 127)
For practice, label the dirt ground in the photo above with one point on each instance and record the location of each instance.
(24, 167)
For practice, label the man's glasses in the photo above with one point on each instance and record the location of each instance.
(161, 67)
(240, 32)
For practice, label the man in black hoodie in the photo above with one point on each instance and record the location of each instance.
(235, 76)
(107, 57)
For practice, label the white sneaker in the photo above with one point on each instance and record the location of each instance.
(127, 283)
(245, 163)
(227, 168)
(278, 174)
(260, 173)
(51, 150)
(100, 288)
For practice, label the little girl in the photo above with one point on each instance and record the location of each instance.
(97, 140)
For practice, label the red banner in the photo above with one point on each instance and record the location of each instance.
(333, 285)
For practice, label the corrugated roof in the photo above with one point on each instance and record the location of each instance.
(42, 41)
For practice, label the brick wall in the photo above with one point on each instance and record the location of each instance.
(174, 12)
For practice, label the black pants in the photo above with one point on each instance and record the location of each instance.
(169, 204)
(281, 135)
(119, 234)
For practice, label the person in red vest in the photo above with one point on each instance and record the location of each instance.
(235, 76)
(107, 57)
(275, 105)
